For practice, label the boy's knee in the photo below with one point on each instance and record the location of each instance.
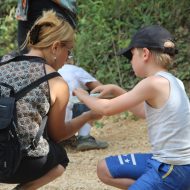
(100, 166)
(102, 171)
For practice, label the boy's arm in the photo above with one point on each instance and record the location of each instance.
(132, 100)
(138, 110)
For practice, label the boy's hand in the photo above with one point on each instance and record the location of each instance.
(104, 90)
(108, 91)
(80, 91)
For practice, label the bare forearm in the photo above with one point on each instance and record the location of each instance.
(98, 105)
(117, 91)
(72, 126)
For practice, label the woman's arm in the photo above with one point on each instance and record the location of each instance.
(57, 128)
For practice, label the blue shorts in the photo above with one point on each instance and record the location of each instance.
(149, 174)
(78, 109)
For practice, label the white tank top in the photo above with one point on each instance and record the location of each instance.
(169, 126)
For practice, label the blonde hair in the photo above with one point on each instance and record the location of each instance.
(165, 59)
(48, 29)
(162, 58)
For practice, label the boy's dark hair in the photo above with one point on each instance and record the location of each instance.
(152, 37)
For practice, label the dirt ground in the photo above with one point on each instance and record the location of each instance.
(124, 135)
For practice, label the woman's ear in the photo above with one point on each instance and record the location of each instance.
(55, 47)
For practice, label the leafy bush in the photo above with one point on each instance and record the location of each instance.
(7, 26)
(106, 26)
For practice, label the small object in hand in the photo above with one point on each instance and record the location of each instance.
(75, 100)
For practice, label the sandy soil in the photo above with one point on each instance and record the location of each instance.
(124, 134)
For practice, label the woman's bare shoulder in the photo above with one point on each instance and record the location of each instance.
(58, 87)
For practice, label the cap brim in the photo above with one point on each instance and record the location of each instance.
(125, 52)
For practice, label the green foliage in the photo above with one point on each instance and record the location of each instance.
(98, 124)
(6, 6)
(106, 26)
(7, 26)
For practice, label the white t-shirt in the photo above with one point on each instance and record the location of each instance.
(76, 77)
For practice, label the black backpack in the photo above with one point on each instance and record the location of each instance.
(10, 149)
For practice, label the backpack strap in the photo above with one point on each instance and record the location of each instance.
(23, 92)
(12, 91)
(15, 57)
(34, 84)
(34, 142)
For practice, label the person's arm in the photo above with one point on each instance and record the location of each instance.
(132, 100)
(57, 128)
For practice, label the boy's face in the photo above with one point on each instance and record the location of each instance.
(137, 62)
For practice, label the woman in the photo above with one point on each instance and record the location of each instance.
(49, 41)
(28, 11)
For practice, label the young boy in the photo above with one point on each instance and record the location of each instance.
(77, 77)
(161, 99)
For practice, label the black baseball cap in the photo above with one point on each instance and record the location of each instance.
(152, 37)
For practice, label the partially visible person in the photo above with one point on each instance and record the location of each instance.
(49, 42)
(77, 77)
(160, 98)
(29, 10)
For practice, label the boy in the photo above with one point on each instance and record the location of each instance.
(161, 99)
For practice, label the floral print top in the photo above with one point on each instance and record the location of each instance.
(34, 105)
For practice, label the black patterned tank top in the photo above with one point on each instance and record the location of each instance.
(34, 105)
